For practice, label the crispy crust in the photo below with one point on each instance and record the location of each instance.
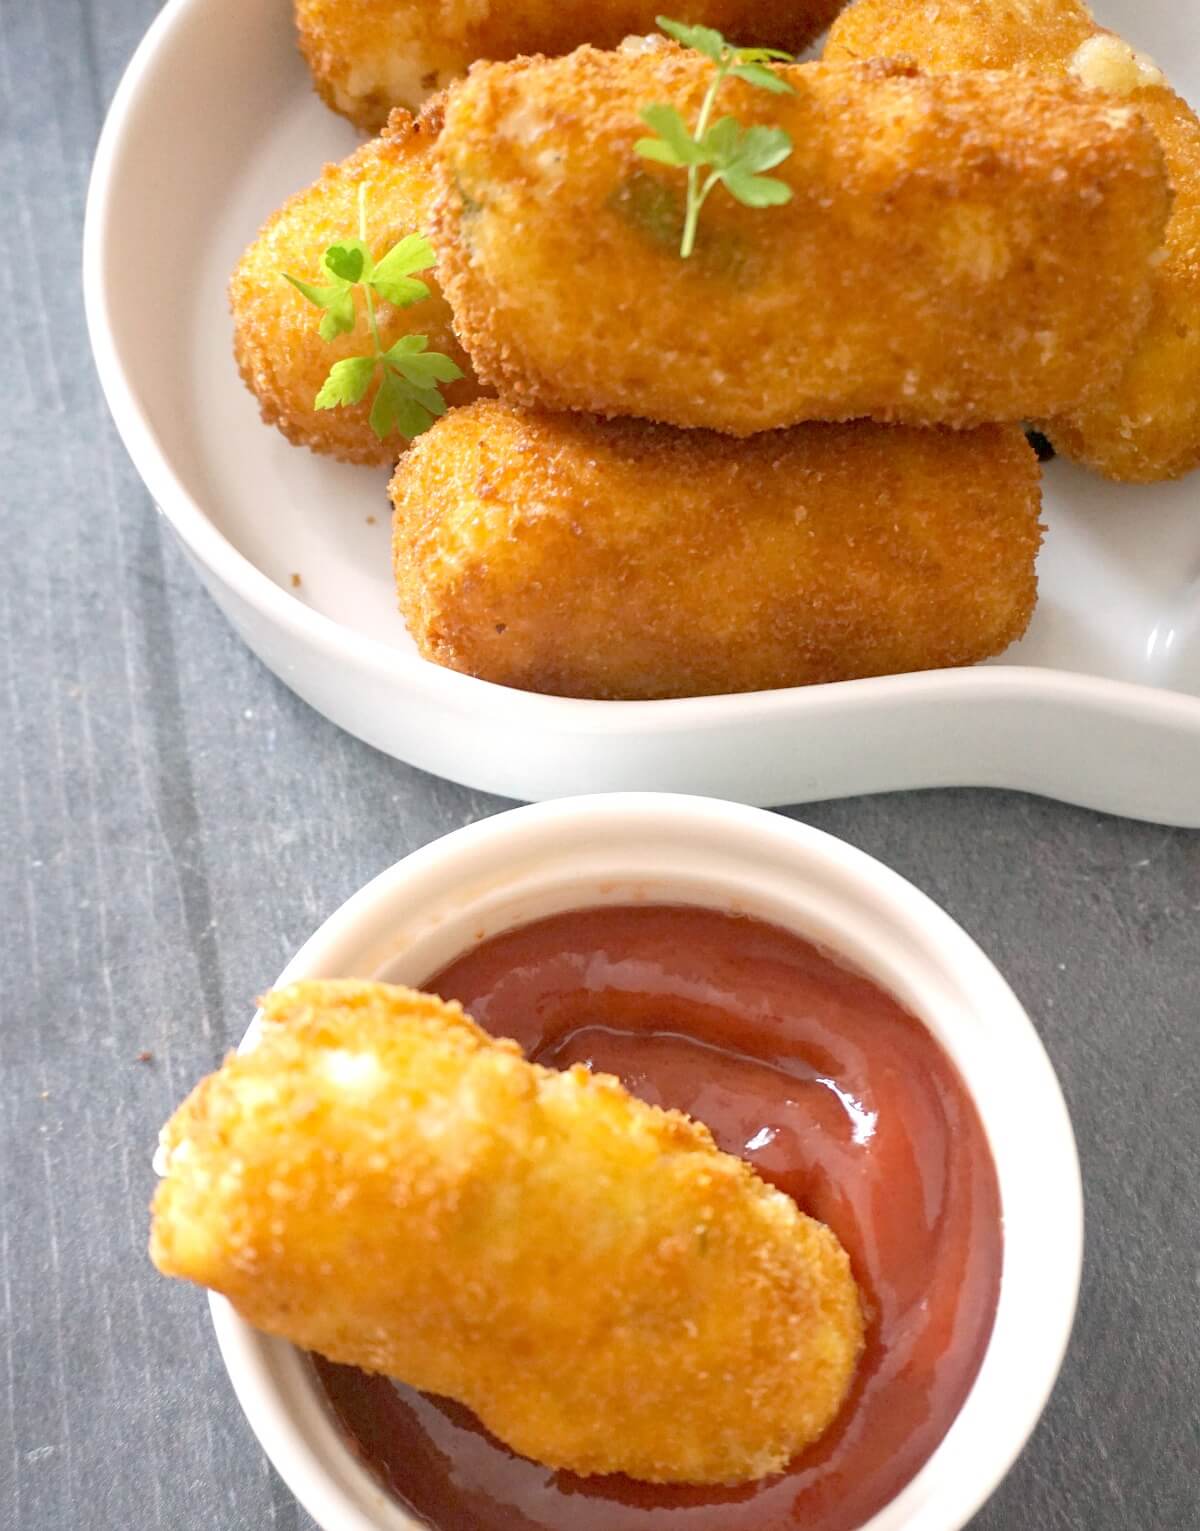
(957, 250)
(1147, 428)
(619, 559)
(381, 1182)
(370, 55)
(960, 34)
(280, 355)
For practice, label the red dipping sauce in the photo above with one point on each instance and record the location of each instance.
(837, 1096)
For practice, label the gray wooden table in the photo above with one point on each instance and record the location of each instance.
(174, 823)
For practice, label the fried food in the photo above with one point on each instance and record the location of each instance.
(380, 1181)
(375, 54)
(962, 34)
(1147, 426)
(620, 559)
(279, 352)
(957, 250)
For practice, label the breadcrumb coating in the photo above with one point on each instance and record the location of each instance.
(1147, 426)
(619, 559)
(380, 1181)
(947, 35)
(367, 56)
(279, 351)
(960, 249)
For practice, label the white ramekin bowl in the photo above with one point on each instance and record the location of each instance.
(635, 847)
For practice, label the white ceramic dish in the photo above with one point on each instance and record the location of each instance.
(628, 847)
(213, 125)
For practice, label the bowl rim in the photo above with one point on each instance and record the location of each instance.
(274, 1382)
(1134, 700)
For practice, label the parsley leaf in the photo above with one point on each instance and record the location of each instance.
(762, 55)
(720, 143)
(757, 190)
(347, 382)
(413, 253)
(706, 40)
(399, 408)
(423, 369)
(340, 317)
(408, 398)
(733, 156)
(337, 300)
(392, 277)
(348, 260)
(412, 417)
(674, 145)
(760, 75)
(383, 410)
(323, 297)
(763, 148)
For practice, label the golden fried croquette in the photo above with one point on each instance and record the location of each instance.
(961, 34)
(280, 353)
(620, 559)
(370, 55)
(957, 250)
(381, 1182)
(1147, 426)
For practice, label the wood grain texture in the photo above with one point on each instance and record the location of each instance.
(173, 823)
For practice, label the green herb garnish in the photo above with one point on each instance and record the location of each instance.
(408, 398)
(731, 154)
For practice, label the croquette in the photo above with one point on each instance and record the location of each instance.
(381, 1182)
(370, 55)
(968, 248)
(1146, 426)
(962, 34)
(620, 559)
(277, 344)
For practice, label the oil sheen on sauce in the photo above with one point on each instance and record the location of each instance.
(838, 1097)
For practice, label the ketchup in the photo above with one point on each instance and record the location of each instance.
(837, 1096)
